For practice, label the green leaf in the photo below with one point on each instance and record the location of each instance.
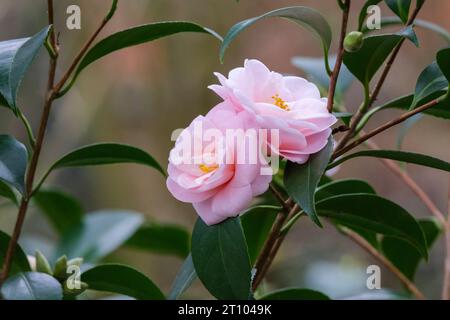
(304, 16)
(409, 157)
(13, 162)
(101, 233)
(121, 279)
(19, 261)
(63, 211)
(295, 294)
(364, 63)
(105, 153)
(31, 286)
(7, 192)
(185, 276)
(400, 8)
(405, 257)
(221, 260)
(346, 186)
(257, 222)
(16, 57)
(363, 12)
(376, 214)
(317, 73)
(393, 21)
(443, 60)
(301, 180)
(135, 36)
(165, 239)
(345, 117)
(430, 82)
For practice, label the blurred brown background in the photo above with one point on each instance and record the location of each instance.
(140, 95)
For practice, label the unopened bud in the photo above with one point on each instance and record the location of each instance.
(42, 264)
(60, 270)
(353, 41)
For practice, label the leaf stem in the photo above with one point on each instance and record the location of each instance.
(28, 128)
(340, 55)
(372, 251)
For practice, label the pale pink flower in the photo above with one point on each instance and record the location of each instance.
(290, 104)
(218, 188)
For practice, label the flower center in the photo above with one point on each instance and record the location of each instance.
(207, 169)
(280, 103)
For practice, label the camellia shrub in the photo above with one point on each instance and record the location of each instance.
(252, 167)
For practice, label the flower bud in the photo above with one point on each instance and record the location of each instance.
(60, 270)
(353, 41)
(42, 264)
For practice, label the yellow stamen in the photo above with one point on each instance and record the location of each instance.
(280, 103)
(207, 169)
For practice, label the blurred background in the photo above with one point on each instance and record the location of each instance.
(140, 95)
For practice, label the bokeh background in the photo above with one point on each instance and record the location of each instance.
(140, 95)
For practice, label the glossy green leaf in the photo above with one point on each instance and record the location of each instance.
(185, 276)
(409, 157)
(430, 81)
(376, 214)
(221, 259)
(363, 12)
(443, 60)
(364, 63)
(346, 186)
(106, 153)
(304, 16)
(62, 210)
(19, 261)
(393, 21)
(16, 57)
(13, 162)
(315, 71)
(405, 257)
(164, 239)
(301, 180)
(101, 233)
(295, 294)
(135, 36)
(400, 8)
(31, 286)
(7, 192)
(121, 279)
(257, 222)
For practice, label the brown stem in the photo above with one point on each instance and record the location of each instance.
(340, 56)
(395, 168)
(35, 157)
(386, 126)
(83, 51)
(373, 97)
(371, 250)
(267, 254)
(280, 198)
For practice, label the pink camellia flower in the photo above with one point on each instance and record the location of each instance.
(290, 104)
(205, 167)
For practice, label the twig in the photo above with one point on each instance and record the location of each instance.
(279, 197)
(267, 253)
(340, 56)
(371, 250)
(395, 168)
(386, 126)
(84, 49)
